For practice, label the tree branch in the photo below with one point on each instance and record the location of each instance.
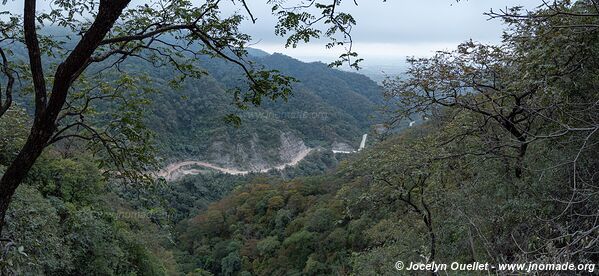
(35, 60)
(9, 86)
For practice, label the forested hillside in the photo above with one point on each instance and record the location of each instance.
(396, 201)
(66, 219)
(327, 106)
(129, 228)
(500, 166)
(503, 172)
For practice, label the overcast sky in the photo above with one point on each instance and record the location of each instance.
(386, 32)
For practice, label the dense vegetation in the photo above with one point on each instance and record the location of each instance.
(101, 35)
(504, 170)
(68, 211)
(188, 121)
(66, 221)
(327, 106)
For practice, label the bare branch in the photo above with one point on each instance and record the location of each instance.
(9, 85)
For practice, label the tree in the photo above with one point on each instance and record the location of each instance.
(105, 33)
(536, 91)
(529, 87)
(403, 177)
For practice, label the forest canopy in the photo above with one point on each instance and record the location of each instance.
(499, 163)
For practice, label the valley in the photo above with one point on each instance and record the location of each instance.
(151, 139)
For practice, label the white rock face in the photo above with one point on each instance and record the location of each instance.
(291, 146)
(290, 152)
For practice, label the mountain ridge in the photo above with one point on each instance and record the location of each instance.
(328, 106)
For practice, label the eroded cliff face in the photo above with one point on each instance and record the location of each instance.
(291, 151)
(291, 147)
(255, 154)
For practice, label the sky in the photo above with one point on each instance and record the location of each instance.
(386, 32)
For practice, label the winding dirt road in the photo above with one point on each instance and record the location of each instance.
(177, 170)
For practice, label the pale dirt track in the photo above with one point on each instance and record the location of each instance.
(177, 170)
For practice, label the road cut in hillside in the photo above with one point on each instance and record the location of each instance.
(177, 170)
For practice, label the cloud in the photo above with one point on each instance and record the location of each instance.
(396, 29)
(385, 31)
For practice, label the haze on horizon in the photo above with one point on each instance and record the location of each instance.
(386, 32)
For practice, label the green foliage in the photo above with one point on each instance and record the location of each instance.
(11, 141)
(64, 221)
(498, 174)
(230, 264)
(274, 226)
(444, 191)
(354, 221)
(63, 178)
(327, 106)
(268, 246)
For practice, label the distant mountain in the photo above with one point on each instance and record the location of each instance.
(328, 106)
(257, 53)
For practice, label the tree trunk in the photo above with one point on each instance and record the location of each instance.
(520, 159)
(428, 220)
(66, 73)
(19, 168)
